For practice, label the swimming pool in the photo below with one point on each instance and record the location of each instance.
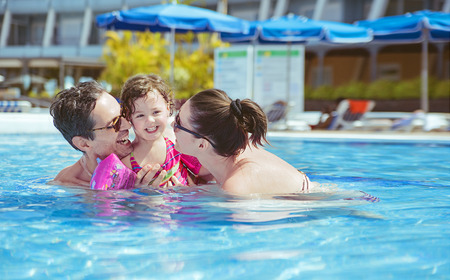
(201, 233)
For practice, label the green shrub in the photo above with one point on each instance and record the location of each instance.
(380, 89)
(57, 90)
(323, 92)
(441, 89)
(354, 90)
(432, 83)
(33, 94)
(44, 95)
(308, 92)
(408, 89)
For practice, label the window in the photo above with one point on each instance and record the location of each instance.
(68, 29)
(26, 30)
(389, 71)
(97, 35)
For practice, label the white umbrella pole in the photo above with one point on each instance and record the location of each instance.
(288, 79)
(373, 62)
(320, 58)
(424, 74)
(288, 76)
(172, 54)
(172, 50)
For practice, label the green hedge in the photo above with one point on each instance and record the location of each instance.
(381, 89)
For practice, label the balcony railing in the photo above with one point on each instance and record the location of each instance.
(94, 51)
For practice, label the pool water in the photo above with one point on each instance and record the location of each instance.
(340, 231)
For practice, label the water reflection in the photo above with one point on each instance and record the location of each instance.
(208, 206)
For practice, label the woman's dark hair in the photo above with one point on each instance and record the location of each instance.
(228, 123)
(71, 110)
(138, 86)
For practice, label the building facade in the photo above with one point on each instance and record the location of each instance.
(56, 39)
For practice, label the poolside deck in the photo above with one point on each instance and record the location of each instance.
(367, 136)
(39, 121)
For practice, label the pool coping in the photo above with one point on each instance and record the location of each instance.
(366, 136)
(42, 123)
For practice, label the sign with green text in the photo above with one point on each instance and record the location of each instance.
(233, 71)
(264, 73)
(279, 75)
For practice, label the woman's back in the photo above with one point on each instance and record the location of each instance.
(225, 135)
(258, 171)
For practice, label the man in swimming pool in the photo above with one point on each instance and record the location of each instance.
(90, 119)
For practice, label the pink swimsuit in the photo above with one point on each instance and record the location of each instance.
(112, 174)
(176, 164)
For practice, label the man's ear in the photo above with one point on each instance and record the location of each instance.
(81, 143)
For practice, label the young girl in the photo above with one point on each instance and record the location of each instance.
(224, 135)
(147, 104)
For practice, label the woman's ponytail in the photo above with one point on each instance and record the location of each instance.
(254, 122)
(228, 123)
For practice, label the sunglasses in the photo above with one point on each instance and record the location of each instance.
(179, 126)
(116, 123)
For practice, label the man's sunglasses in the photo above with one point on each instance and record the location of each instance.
(179, 126)
(116, 124)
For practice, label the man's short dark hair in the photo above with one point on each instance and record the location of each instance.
(71, 110)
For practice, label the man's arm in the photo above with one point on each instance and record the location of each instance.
(72, 175)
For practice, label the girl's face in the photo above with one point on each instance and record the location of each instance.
(150, 117)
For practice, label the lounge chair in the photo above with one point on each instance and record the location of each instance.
(15, 106)
(350, 111)
(277, 115)
(276, 111)
(410, 123)
(419, 120)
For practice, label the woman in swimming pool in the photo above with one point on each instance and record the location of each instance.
(224, 135)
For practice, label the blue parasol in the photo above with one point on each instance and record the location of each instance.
(294, 29)
(298, 29)
(421, 26)
(171, 18)
(411, 27)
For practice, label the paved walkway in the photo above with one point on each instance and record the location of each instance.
(40, 122)
(366, 136)
(33, 122)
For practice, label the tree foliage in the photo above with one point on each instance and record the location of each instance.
(126, 54)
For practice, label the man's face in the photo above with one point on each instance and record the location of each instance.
(109, 141)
